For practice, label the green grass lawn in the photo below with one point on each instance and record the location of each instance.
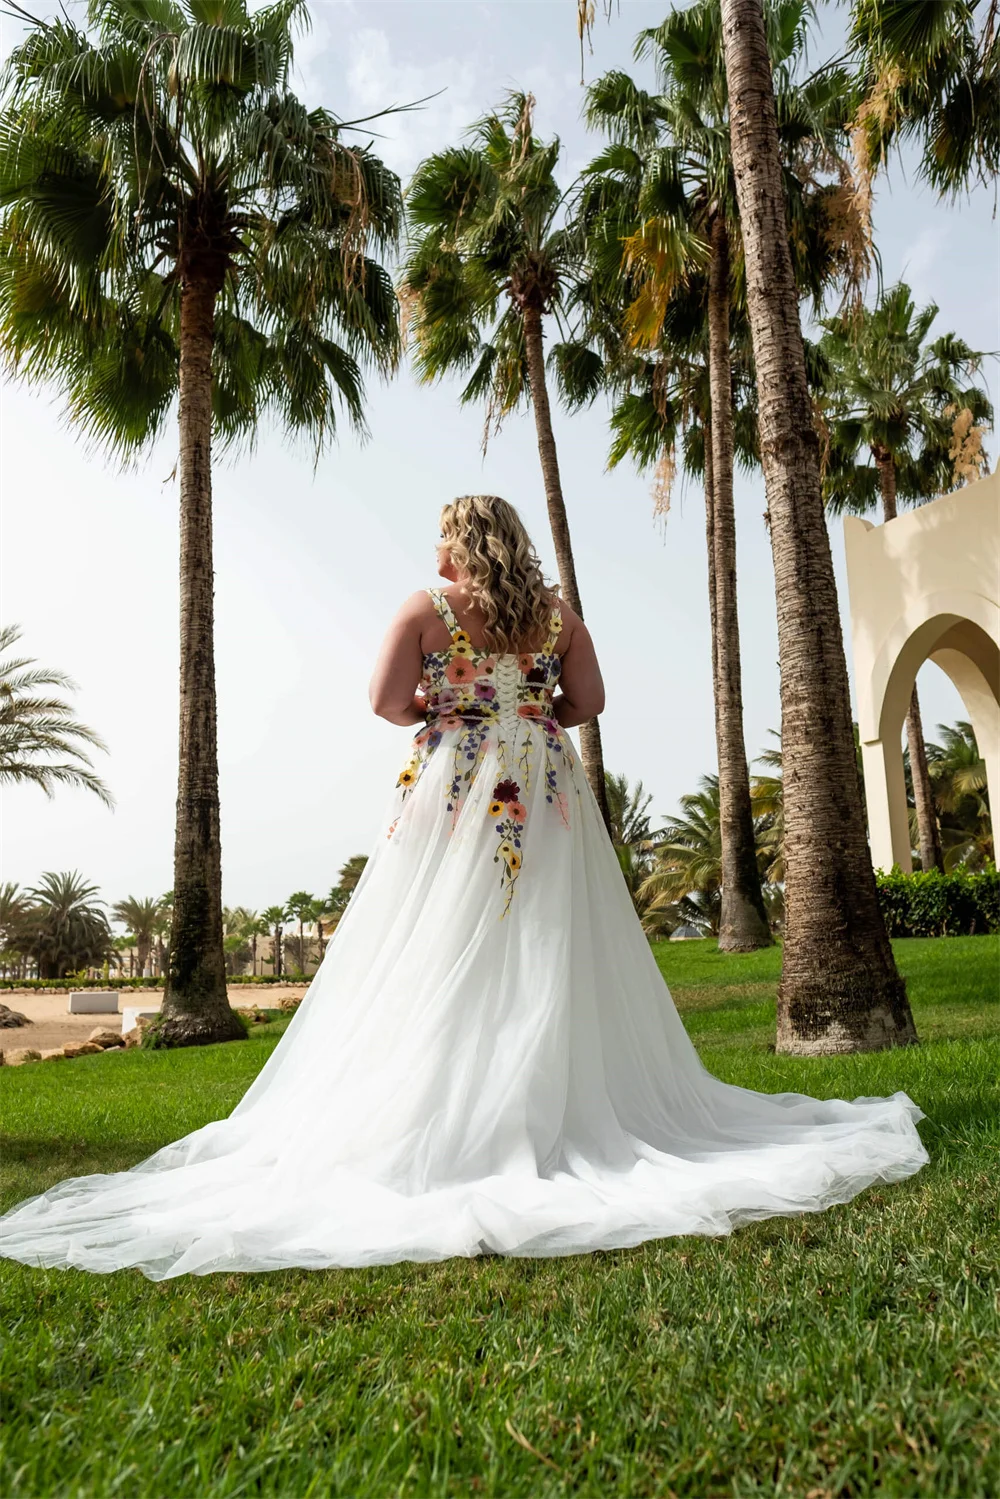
(849, 1354)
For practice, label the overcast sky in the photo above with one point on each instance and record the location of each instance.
(311, 564)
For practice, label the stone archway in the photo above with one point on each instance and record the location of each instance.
(923, 587)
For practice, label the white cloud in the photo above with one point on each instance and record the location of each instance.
(358, 71)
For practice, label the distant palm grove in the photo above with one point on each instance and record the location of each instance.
(180, 237)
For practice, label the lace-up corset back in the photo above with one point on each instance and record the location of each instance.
(463, 685)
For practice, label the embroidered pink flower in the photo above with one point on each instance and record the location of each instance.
(551, 726)
(526, 661)
(451, 722)
(517, 810)
(460, 670)
(446, 699)
(488, 667)
(531, 710)
(485, 692)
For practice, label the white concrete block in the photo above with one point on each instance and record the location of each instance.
(93, 1002)
(131, 1014)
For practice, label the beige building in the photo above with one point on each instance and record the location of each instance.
(924, 587)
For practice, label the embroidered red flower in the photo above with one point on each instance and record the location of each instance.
(460, 670)
(506, 791)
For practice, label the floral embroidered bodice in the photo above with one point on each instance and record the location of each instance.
(463, 685)
(472, 693)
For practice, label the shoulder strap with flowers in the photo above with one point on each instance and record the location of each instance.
(444, 610)
(555, 628)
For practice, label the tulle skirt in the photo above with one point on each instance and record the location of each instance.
(488, 1060)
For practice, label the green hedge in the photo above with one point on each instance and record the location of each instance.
(933, 904)
(144, 983)
(75, 984)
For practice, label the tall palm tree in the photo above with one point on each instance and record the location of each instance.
(178, 224)
(902, 400)
(275, 918)
(141, 917)
(299, 907)
(930, 72)
(958, 776)
(66, 926)
(839, 989)
(670, 155)
(489, 260)
(35, 726)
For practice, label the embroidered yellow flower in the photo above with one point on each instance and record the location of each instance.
(408, 775)
(461, 644)
(496, 809)
(513, 861)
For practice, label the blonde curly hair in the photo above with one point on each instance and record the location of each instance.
(491, 549)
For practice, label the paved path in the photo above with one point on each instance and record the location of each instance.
(52, 1026)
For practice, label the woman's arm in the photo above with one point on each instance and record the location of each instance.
(400, 665)
(582, 694)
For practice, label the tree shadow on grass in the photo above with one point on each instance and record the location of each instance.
(73, 1157)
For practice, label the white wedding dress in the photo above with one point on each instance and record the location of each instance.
(488, 1059)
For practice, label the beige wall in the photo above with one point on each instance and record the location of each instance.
(925, 586)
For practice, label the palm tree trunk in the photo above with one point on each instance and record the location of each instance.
(743, 924)
(839, 989)
(928, 835)
(277, 950)
(195, 1006)
(591, 750)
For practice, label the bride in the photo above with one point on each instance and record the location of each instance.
(488, 1059)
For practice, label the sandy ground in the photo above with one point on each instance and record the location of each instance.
(52, 1025)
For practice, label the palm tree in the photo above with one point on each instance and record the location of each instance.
(66, 927)
(930, 71)
(767, 795)
(300, 907)
(958, 776)
(274, 916)
(234, 940)
(908, 404)
(252, 926)
(36, 726)
(350, 872)
(489, 260)
(161, 931)
(629, 809)
(141, 917)
(669, 171)
(13, 910)
(178, 224)
(686, 882)
(124, 947)
(839, 989)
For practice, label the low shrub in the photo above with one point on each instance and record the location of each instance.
(58, 985)
(932, 904)
(76, 984)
